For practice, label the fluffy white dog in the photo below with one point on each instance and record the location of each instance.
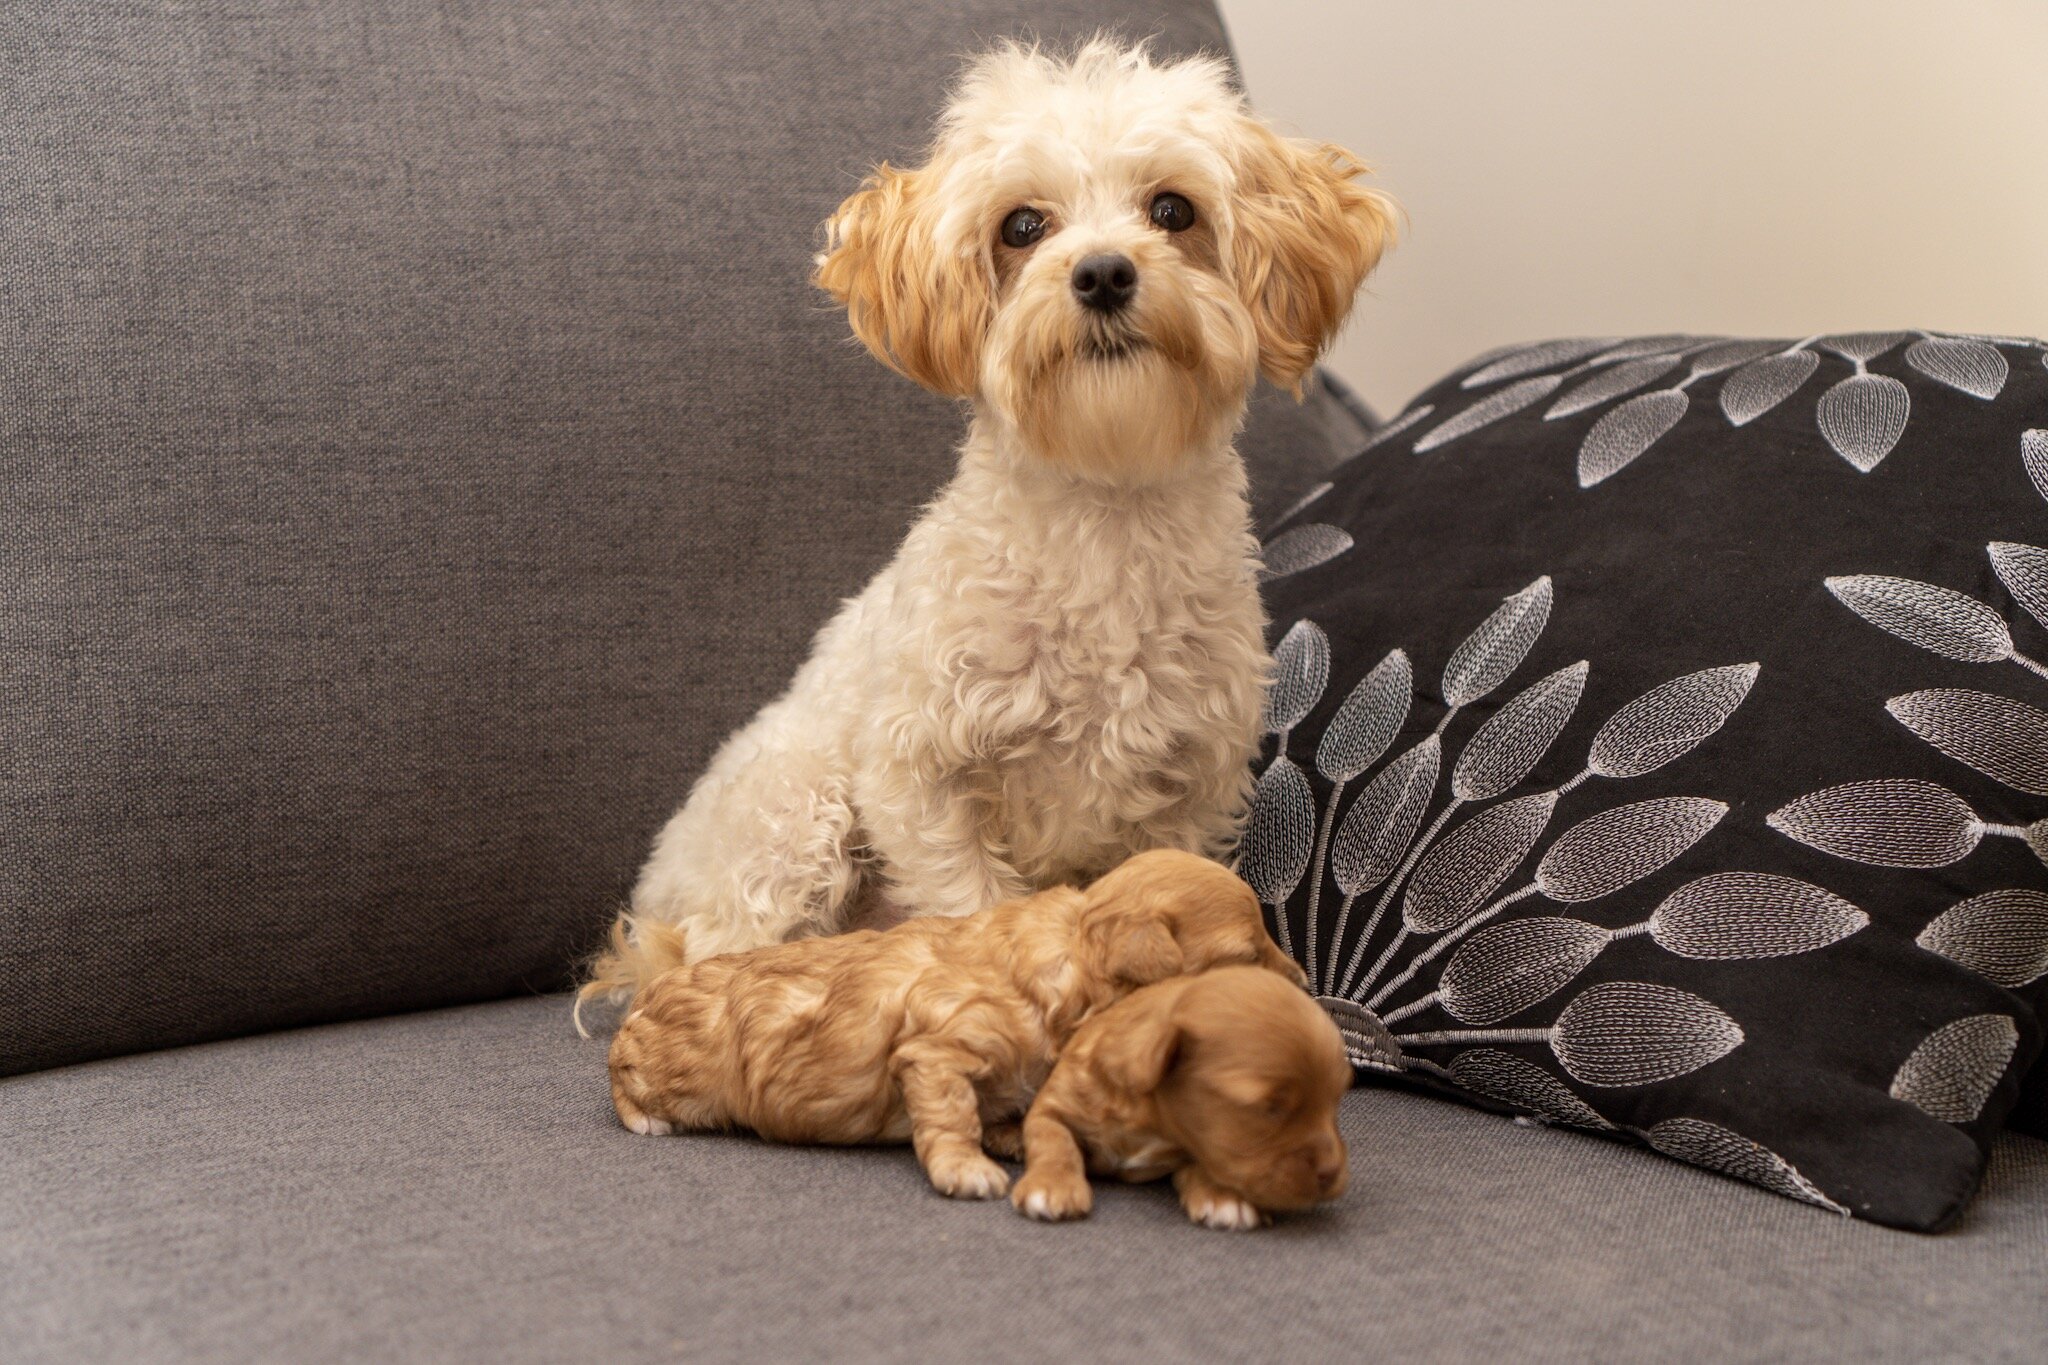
(1065, 663)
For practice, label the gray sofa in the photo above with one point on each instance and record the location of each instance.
(418, 447)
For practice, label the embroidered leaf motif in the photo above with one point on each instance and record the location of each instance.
(1623, 434)
(1891, 822)
(1952, 1073)
(1274, 852)
(1720, 1149)
(1380, 824)
(1463, 871)
(1862, 346)
(1530, 359)
(1637, 347)
(1300, 505)
(1637, 1033)
(1487, 411)
(1670, 720)
(2024, 571)
(1971, 366)
(1624, 378)
(1502, 751)
(1761, 385)
(1922, 614)
(2000, 935)
(1486, 657)
(2034, 452)
(1301, 670)
(1366, 1040)
(1304, 547)
(1399, 424)
(1507, 1078)
(1751, 914)
(1368, 720)
(1863, 417)
(1505, 968)
(1999, 737)
(1606, 852)
(1729, 354)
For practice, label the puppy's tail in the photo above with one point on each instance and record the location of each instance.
(637, 951)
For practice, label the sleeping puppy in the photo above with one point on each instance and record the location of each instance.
(928, 1030)
(1227, 1081)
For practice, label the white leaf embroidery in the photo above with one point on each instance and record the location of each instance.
(1761, 385)
(1624, 378)
(1891, 822)
(1538, 357)
(1937, 619)
(1863, 417)
(1625, 433)
(1383, 820)
(1971, 366)
(1459, 874)
(1487, 411)
(1721, 1149)
(1505, 968)
(1862, 346)
(1637, 1033)
(1399, 424)
(1303, 547)
(1494, 650)
(1669, 720)
(1730, 354)
(1751, 914)
(1952, 1073)
(2024, 571)
(2000, 935)
(1505, 1077)
(1274, 852)
(1366, 1040)
(1300, 505)
(1606, 852)
(2034, 452)
(1997, 736)
(1637, 347)
(1368, 720)
(1514, 740)
(1301, 670)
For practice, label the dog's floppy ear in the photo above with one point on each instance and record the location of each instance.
(1136, 1059)
(1304, 237)
(918, 302)
(1130, 940)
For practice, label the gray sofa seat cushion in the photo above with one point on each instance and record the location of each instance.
(419, 445)
(452, 1185)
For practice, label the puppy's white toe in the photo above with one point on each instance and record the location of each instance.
(1230, 1215)
(1036, 1205)
(646, 1125)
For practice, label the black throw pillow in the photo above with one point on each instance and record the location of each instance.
(1660, 746)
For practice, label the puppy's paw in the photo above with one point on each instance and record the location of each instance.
(968, 1176)
(1052, 1199)
(1215, 1207)
(648, 1126)
(1005, 1140)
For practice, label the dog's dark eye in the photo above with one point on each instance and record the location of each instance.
(1172, 212)
(1023, 227)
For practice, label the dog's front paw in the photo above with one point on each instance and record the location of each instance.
(1215, 1207)
(1052, 1199)
(968, 1176)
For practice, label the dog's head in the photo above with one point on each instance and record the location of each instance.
(1245, 1072)
(1103, 250)
(1165, 912)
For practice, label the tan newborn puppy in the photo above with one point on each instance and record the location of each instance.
(1227, 1081)
(928, 1030)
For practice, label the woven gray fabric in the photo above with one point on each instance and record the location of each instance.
(419, 444)
(452, 1185)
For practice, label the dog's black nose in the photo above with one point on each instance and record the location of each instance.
(1105, 281)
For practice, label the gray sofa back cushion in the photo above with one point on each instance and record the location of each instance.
(419, 445)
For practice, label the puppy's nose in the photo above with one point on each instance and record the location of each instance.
(1333, 1170)
(1105, 281)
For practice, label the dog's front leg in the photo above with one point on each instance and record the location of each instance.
(937, 825)
(1054, 1186)
(1209, 1204)
(936, 1081)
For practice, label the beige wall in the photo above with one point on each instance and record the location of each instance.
(1764, 167)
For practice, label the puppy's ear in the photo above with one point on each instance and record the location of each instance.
(1130, 942)
(1305, 236)
(1136, 1060)
(919, 303)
